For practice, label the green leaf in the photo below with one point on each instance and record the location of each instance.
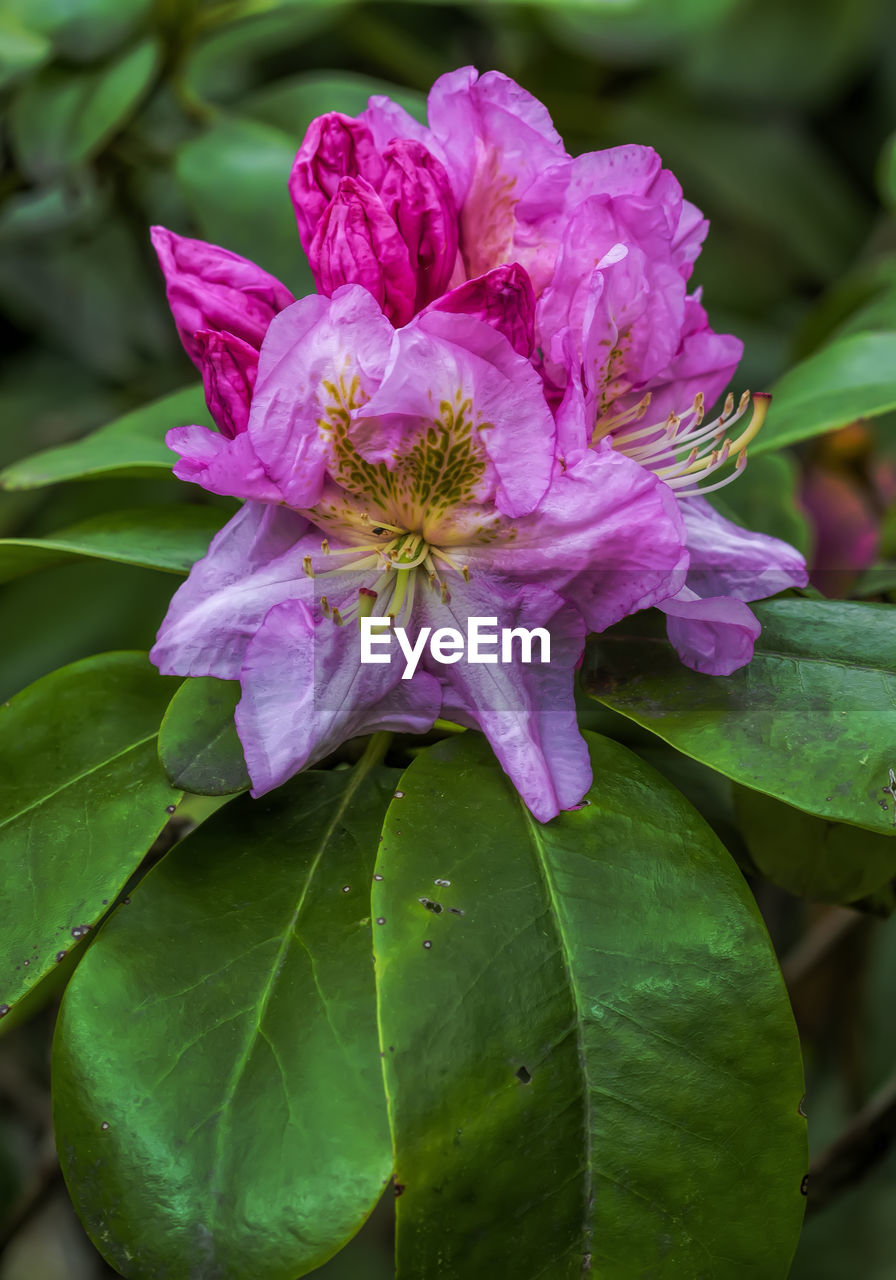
(853, 377)
(22, 50)
(82, 797)
(62, 118)
(198, 743)
(234, 179)
(167, 538)
(133, 445)
(82, 30)
(824, 861)
(593, 1069)
(811, 720)
(220, 1037)
(292, 104)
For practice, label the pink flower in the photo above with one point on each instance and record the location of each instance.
(410, 472)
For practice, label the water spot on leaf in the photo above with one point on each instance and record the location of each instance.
(125, 902)
(346, 888)
(583, 804)
(80, 929)
(377, 877)
(26, 962)
(427, 945)
(456, 911)
(434, 907)
(4, 1010)
(586, 1262)
(524, 1075)
(398, 795)
(170, 808)
(381, 919)
(829, 797)
(105, 1124)
(802, 1107)
(444, 883)
(400, 1188)
(804, 1185)
(60, 956)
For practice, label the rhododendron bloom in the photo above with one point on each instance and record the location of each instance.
(494, 407)
(410, 473)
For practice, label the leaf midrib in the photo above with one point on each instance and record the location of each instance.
(541, 859)
(357, 777)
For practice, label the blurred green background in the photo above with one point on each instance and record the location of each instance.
(778, 116)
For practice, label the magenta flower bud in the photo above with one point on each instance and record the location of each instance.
(503, 298)
(416, 191)
(356, 242)
(211, 288)
(334, 147)
(229, 367)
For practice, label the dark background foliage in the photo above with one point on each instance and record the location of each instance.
(778, 116)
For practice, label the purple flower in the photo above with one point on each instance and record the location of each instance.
(410, 473)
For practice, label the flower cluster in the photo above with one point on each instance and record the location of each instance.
(494, 406)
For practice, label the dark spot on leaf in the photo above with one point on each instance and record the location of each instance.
(455, 911)
(434, 907)
(524, 1075)
(381, 919)
(105, 902)
(26, 962)
(125, 901)
(802, 1107)
(4, 1010)
(346, 888)
(60, 956)
(80, 929)
(105, 1124)
(399, 1189)
(427, 946)
(444, 883)
(583, 804)
(391, 1048)
(377, 877)
(804, 1185)
(170, 808)
(586, 1262)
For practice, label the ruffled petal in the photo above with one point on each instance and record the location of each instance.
(225, 466)
(714, 636)
(731, 561)
(229, 367)
(607, 536)
(305, 691)
(321, 358)
(334, 147)
(503, 298)
(251, 565)
(525, 709)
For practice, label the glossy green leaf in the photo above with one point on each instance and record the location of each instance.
(82, 797)
(591, 1063)
(234, 178)
(811, 720)
(61, 118)
(218, 1093)
(168, 538)
(133, 445)
(198, 743)
(853, 377)
(812, 858)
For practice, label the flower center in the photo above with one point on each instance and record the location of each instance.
(402, 560)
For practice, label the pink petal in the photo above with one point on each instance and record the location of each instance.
(357, 242)
(502, 298)
(305, 692)
(714, 636)
(229, 367)
(526, 710)
(334, 147)
(731, 561)
(416, 193)
(320, 357)
(221, 465)
(213, 289)
(251, 565)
